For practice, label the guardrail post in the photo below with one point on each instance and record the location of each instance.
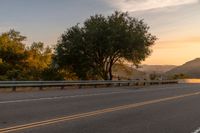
(147, 83)
(119, 84)
(14, 88)
(108, 85)
(79, 86)
(62, 87)
(40, 88)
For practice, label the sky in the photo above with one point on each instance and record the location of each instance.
(176, 23)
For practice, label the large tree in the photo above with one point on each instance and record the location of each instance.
(91, 50)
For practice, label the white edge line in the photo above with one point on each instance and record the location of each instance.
(87, 95)
(197, 130)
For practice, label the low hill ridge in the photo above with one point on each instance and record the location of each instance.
(190, 69)
(156, 68)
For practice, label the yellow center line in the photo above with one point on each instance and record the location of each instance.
(92, 113)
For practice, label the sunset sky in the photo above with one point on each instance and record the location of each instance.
(175, 22)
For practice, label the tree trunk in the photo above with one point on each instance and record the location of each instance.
(105, 75)
(110, 72)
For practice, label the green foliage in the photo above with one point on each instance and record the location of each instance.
(39, 59)
(13, 55)
(91, 51)
(52, 74)
(12, 50)
(19, 62)
(74, 56)
(56, 74)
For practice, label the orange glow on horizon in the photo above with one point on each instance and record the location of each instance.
(174, 52)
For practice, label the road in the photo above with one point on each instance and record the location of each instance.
(153, 109)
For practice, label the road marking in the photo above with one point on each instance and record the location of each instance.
(87, 95)
(92, 113)
(197, 130)
(63, 97)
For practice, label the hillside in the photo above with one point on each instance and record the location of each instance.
(190, 69)
(126, 72)
(155, 68)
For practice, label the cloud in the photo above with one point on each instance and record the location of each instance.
(138, 5)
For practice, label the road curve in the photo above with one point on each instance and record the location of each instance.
(155, 109)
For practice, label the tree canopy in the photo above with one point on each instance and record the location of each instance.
(86, 51)
(91, 50)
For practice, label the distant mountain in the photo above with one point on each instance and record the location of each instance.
(190, 69)
(126, 72)
(155, 68)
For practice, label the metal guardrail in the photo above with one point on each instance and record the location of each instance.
(95, 83)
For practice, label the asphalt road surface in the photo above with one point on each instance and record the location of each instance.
(153, 109)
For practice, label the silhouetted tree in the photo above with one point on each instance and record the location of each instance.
(91, 51)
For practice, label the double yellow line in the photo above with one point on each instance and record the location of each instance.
(92, 113)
